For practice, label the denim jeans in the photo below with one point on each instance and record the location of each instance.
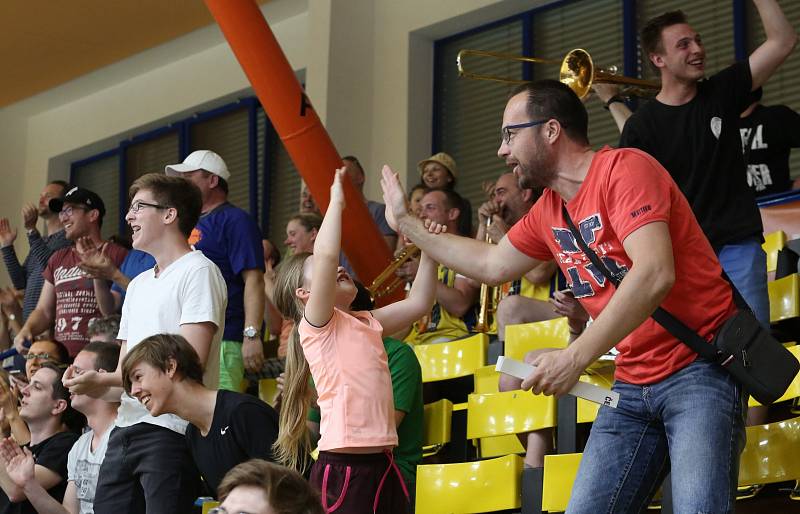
(746, 265)
(691, 424)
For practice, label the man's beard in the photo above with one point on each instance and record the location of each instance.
(539, 174)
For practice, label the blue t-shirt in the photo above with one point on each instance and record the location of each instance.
(232, 240)
(135, 262)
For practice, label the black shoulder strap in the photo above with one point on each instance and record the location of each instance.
(670, 323)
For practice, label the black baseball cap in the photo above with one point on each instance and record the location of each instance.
(80, 196)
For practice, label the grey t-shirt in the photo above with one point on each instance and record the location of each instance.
(83, 467)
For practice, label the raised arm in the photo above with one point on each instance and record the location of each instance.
(328, 244)
(397, 316)
(781, 40)
(485, 263)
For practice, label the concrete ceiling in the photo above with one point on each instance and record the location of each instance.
(44, 43)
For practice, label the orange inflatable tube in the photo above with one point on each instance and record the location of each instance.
(299, 127)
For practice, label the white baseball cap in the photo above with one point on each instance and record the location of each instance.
(200, 160)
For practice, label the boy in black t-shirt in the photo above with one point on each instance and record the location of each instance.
(692, 128)
(226, 428)
(45, 408)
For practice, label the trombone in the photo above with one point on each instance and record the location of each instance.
(487, 300)
(385, 283)
(577, 71)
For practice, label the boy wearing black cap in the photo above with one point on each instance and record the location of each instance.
(68, 295)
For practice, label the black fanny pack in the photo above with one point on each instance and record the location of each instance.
(758, 361)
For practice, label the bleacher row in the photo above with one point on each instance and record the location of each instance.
(477, 438)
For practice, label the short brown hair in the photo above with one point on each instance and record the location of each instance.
(176, 192)
(551, 99)
(309, 220)
(157, 351)
(287, 492)
(651, 33)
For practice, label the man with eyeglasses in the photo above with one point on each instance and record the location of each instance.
(68, 296)
(675, 410)
(148, 467)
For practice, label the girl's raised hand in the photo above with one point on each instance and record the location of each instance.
(337, 190)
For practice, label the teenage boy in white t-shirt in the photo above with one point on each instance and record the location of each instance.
(147, 466)
(88, 452)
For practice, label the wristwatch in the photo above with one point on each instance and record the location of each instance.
(250, 331)
(613, 99)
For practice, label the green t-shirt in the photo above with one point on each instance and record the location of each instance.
(407, 390)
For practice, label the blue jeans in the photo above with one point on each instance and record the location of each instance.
(746, 265)
(691, 422)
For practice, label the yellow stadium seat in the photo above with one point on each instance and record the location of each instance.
(207, 506)
(773, 243)
(494, 419)
(770, 454)
(784, 298)
(559, 475)
(268, 390)
(512, 412)
(438, 422)
(793, 391)
(453, 359)
(487, 380)
(587, 411)
(470, 487)
(522, 338)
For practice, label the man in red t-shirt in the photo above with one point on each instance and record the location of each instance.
(675, 409)
(68, 299)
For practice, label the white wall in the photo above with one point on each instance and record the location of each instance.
(368, 65)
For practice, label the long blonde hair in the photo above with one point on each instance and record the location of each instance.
(293, 444)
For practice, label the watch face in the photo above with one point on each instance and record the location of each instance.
(250, 332)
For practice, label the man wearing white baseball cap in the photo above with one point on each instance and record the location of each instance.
(230, 237)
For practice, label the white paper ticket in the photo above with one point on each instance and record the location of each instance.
(583, 390)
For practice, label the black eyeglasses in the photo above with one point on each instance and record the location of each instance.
(137, 206)
(507, 135)
(68, 210)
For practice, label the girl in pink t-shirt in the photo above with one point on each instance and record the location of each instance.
(343, 352)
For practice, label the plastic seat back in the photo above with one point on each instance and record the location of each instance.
(437, 419)
(511, 412)
(208, 505)
(773, 243)
(587, 411)
(470, 487)
(559, 476)
(453, 359)
(770, 454)
(268, 390)
(487, 380)
(522, 338)
(784, 298)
